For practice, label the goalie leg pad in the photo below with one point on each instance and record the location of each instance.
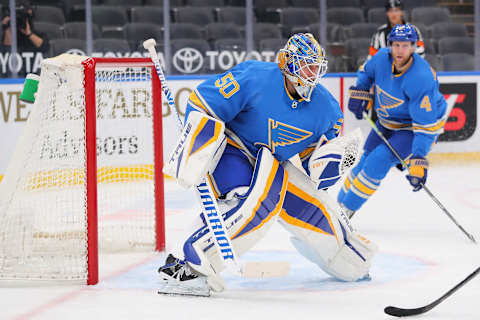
(248, 215)
(321, 231)
(198, 150)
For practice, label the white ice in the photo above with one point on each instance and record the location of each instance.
(422, 255)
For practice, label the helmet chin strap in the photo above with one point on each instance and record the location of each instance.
(305, 92)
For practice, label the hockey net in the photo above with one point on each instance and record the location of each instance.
(91, 148)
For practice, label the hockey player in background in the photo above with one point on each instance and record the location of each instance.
(411, 115)
(240, 130)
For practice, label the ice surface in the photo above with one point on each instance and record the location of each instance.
(422, 255)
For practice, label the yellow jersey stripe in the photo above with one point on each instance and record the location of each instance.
(363, 188)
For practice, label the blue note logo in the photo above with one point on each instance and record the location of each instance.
(281, 134)
(386, 101)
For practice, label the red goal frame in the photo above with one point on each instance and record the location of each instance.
(90, 65)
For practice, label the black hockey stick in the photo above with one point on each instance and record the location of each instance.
(424, 187)
(400, 312)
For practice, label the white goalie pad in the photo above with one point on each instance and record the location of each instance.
(331, 161)
(248, 214)
(321, 231)
(198, 150)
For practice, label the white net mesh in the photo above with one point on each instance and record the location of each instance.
(43, 195)
(125, 158)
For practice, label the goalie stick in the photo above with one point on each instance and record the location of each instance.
(209, 204)
(401, 312)
(424, 187)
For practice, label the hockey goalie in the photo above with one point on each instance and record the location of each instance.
(240, 130)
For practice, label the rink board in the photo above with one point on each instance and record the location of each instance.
(460, 90)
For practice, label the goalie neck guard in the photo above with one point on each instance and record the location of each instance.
(303, 61)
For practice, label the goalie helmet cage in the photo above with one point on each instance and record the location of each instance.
(86, 172)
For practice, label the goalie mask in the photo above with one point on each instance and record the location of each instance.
(303, 62)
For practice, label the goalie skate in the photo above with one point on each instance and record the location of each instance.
(178, 278)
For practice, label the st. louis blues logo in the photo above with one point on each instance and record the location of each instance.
(281, 134)
(386, 101)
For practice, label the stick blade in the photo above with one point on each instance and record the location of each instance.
(472, 238)
(400, 312)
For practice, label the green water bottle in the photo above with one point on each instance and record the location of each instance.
(30, 87)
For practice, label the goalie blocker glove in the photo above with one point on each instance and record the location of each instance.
(360, 101)
(417, 172)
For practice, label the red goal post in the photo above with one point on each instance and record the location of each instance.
(90, 65)
(87, 171)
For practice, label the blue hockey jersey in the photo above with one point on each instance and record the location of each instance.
(410, 100)
(253, 101)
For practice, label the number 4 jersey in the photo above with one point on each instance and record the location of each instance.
(406, 101)
(253, 101)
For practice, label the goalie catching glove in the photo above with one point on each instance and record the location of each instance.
(198, 149)
(331, 161)
(324, 165)
(360, 100)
